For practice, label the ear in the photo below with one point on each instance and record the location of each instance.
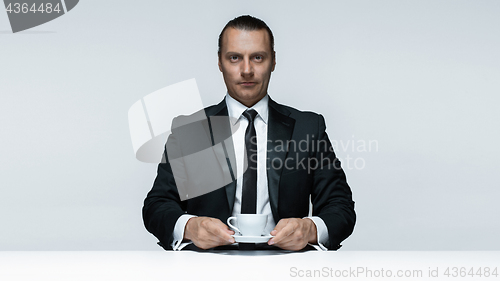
(219, 63)
(274, 61)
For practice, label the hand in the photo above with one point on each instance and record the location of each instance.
(294, 234)
(207, 232)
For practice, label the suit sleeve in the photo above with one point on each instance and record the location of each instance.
(331, 195)
(162, 206)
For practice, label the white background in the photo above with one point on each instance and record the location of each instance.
(421, 78)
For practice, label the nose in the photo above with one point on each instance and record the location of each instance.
(246, 68)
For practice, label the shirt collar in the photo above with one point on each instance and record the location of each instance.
(235, 108)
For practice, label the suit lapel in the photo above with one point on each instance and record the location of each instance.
(279, 132)
(220, 132)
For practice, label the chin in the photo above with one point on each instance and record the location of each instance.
(246, 96)
(253, 98)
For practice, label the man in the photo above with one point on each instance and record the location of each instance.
(290, 162)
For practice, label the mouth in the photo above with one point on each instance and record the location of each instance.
(247, 83)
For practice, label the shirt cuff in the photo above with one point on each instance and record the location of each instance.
(179, 228)
(321, 232)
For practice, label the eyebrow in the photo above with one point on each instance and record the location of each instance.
(252, 54)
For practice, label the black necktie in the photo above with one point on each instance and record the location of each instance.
(249, 190)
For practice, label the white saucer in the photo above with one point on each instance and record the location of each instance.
(252, 239)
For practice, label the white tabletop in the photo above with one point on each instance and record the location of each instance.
(254, 265)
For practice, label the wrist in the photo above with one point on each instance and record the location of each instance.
(187, 229)
(313, 232)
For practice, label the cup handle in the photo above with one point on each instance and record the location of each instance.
(232, 226)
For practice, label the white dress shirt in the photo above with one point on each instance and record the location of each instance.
(238, 127)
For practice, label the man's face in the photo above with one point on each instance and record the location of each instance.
(246, 62)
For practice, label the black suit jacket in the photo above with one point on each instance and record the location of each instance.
(295, 138)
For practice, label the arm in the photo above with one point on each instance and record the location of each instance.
(331, 195)
(163, 209)
(162, 206)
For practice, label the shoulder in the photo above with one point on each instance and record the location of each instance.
(305, 121)
(297, 114)
(200, 115)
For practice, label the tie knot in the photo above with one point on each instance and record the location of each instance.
(250, 114)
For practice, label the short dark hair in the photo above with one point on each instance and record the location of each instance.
(248, 23)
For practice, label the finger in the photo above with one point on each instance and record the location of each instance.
(219, 230)
(211, 241)
(291, 245)
(281, 224)
(206, 240)
(282, 234)
(296, 240)
(288, 230)
(224, 229)
(226, 237)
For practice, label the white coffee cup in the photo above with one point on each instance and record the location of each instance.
(249, 224)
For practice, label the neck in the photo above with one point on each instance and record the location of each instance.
(248, 103)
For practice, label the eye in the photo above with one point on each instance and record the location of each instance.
(258, 58)
(233, 58)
